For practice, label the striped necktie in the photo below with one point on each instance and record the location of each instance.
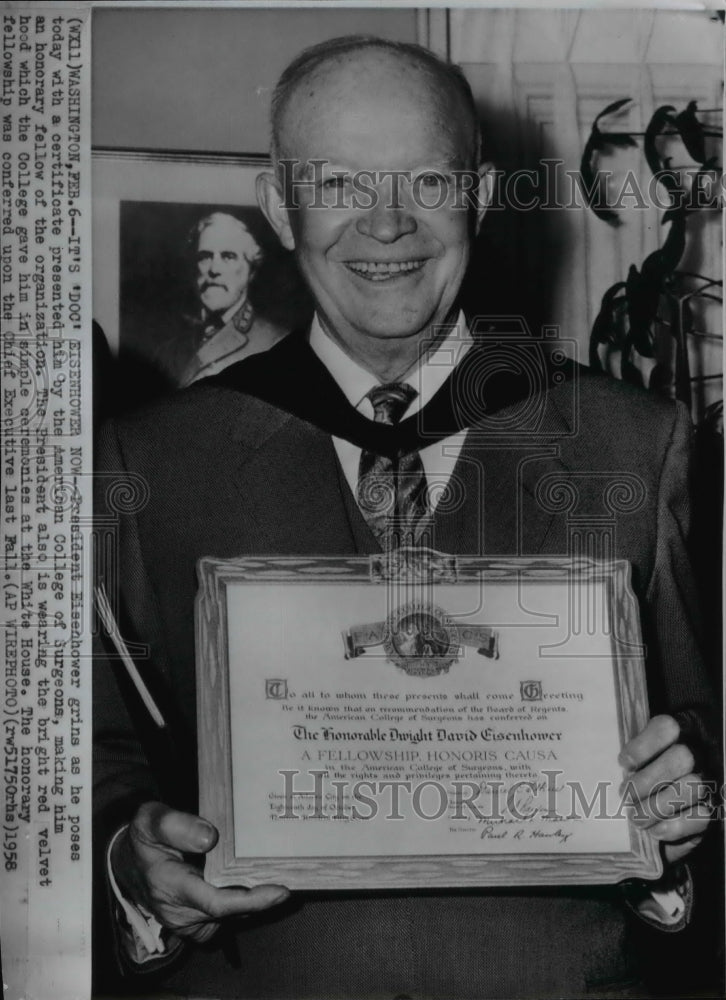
(392, 493)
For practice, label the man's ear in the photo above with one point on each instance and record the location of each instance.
(271, 200)
(487, 177)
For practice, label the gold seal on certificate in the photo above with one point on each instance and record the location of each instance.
(419, 719)
(419, 638)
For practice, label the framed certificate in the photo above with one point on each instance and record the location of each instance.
(417, 719)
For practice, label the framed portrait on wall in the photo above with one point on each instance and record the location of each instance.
(149, 297)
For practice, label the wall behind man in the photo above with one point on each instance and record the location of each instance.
(201, 79)
(540, 77)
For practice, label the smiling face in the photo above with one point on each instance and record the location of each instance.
(225, 251)
(384, 255)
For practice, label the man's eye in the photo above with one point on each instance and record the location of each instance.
(229, 255)
(432, 179)
(335, 183)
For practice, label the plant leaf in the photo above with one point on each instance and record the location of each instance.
(612, 108)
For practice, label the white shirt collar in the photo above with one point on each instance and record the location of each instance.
(426, 378)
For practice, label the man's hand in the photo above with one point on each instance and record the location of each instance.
(672, 802)
(149, 867)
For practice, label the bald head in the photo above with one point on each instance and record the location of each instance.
(361, 71)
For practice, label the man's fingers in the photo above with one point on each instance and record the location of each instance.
(157, 825)
(221, 903)
(671, 802)
(660, 733)
(674, 798)
(181, 900)
(689, 825)
(674, 763)
(203, 932)
(149, 865)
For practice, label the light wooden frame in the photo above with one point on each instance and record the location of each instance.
(437, 871)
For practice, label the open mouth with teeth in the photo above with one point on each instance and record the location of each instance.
(383, 270)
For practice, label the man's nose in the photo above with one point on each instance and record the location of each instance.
(386, 221)
(214, 265)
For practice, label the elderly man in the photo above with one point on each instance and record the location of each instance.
(378, 191)
(224, 256)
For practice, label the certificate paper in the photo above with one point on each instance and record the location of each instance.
(370, 725)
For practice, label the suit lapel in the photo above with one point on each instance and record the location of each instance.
(495, 508)
(288, 479)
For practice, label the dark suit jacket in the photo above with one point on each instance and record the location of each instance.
(225, 474)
